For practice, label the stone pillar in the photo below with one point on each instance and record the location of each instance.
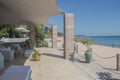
(32, 35)
(68, 34)
(54, 36)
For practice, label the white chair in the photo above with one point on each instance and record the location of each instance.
(1, 61)
(8, 54)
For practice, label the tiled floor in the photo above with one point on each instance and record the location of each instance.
(51, 66)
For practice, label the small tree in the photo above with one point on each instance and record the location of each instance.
(3, 32)
(10, 29)
(47, 31)
(40, 35)
(87, 43)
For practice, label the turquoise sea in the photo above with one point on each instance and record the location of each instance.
(113, 41)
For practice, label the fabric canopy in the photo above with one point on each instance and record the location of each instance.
(22, 29)
(27, 11)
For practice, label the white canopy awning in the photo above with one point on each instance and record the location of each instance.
(27, 11)
(22, 29)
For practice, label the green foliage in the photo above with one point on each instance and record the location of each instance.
(42, 43)
(77, 39)
(3, 32)
(60, 34)
(19, 34)
(47, 31)
(39, 32)
(10, 30)
(40, 35)
(35, 54)
(87, 42)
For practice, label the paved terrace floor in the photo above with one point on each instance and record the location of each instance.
(96, 69)
(52, 66)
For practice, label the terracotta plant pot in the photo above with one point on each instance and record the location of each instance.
(37, 58)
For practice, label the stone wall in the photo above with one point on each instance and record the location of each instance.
(68, 34)
(54, 36)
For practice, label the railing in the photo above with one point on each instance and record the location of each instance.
(118, 62)
(117, 58)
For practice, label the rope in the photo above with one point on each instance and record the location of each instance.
(104, 57)
(100, 56)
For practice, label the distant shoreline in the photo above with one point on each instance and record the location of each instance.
(112, 45)
(112, 41)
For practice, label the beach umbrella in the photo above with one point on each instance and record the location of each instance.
(22, 29)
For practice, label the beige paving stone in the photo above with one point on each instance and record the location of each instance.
(52, 66)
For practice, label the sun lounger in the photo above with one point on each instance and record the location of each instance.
(15, 72)
(28, 53)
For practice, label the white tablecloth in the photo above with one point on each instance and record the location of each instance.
(13, 40)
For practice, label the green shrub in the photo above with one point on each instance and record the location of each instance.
(87, 42)
(35, 54)
(77, 39)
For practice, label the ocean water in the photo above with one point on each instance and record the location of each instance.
(113, 41)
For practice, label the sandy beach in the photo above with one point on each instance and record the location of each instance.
(102, 54)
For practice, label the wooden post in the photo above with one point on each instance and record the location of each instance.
(118, 62)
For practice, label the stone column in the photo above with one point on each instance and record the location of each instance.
(68, 34)
(54, 36)
(32, 35)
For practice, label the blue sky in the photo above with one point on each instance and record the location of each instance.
(91, 17)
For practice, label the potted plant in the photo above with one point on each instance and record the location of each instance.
(88, 53)
(36, 56)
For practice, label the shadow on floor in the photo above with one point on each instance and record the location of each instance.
(77, 60)
(110, 69)
(53, 55)
(105, 76)
(61, 49)
(82, 61)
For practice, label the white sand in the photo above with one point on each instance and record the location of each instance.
(102, 51)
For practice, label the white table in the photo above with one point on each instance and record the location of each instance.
(13, 40)
(15, 72)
